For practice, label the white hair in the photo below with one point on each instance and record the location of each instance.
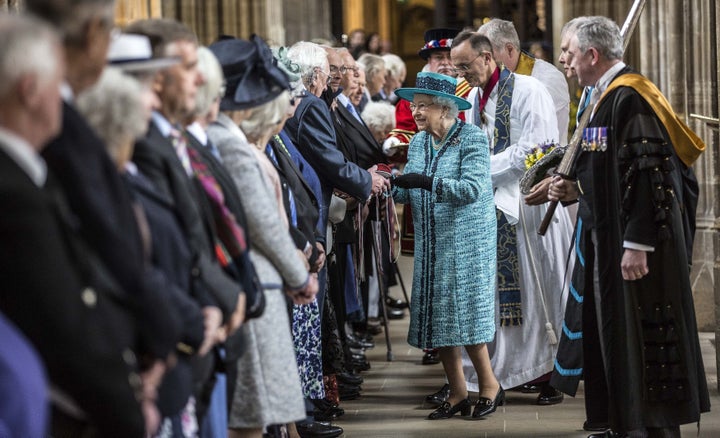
(27, 46)
(373, 64)
(113, 107)
(308, 56)
(449, 103)
(264, 118)
(394, 64)
(500, 32)
(379, 116)
(572, 25)
(601, 33)
(213, 87)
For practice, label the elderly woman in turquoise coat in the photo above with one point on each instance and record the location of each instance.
(447, 182)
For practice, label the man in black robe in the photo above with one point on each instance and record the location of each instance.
(637, 199)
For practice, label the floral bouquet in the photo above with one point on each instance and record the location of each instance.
(538, 163)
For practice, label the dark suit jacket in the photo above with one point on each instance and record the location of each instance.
(48, 289)
(355, 138)
(306, 204)
(156, 158)
(311, 130)
(99, 199)
(172, 256)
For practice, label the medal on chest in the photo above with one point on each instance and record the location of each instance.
(594, 139)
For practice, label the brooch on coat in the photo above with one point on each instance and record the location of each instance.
(594, 139)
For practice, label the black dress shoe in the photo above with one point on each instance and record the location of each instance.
(328, 414)
(549, 396)
(315, 429)
(355, 342)
(395, 313)
(348, 394)
(595, 426)
(438, 398)
(396, 303)
(359, 365)
(529, 388)
(351, 379)
(431, 358)
(606, 434)
(359, 357)
(485, 406)
(446, 410)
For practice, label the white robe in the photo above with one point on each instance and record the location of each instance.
(522, 353)
(556, 84)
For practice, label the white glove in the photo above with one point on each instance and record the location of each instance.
(388, 144)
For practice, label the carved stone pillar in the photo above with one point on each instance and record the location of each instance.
(306, 20)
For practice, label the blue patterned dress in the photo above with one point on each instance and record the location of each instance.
(453, 293)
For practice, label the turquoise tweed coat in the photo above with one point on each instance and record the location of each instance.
(453, 291)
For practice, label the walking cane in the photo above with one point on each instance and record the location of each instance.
(376, 228)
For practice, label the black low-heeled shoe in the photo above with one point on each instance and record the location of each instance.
(437, 398)
(485, 406)
(446, 410)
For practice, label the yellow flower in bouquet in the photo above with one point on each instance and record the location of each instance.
(537, 153)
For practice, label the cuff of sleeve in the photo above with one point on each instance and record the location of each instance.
(638, 246)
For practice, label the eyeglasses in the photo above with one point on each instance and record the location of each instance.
(355, 69)
(329, 77)
(335, 69)
(422, 107)
(463, 68)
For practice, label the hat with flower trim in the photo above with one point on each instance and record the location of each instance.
(434, 84)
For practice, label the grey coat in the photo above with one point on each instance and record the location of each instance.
(268, 388)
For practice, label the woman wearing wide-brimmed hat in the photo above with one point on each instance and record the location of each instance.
(268, 388)
(447, 182)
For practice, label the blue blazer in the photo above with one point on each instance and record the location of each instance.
(311, 130)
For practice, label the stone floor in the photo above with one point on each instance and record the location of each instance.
(391, 402)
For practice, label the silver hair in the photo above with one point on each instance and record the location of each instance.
(373, 64)
(601, 33)
(449, 103)
(71, 17)
(264, 118)
(572, 25)
(500, 32)
(308, 56)
(113, 107)
(394, 64)
(27, 46)
(214, 85)
(379, 116)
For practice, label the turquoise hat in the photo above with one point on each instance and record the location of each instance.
(434, 84)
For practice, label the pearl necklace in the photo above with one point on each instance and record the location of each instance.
(437, 145)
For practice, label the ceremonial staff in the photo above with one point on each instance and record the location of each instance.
(566, 165)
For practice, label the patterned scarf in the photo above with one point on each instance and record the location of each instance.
(230, 243)
(508, 271)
